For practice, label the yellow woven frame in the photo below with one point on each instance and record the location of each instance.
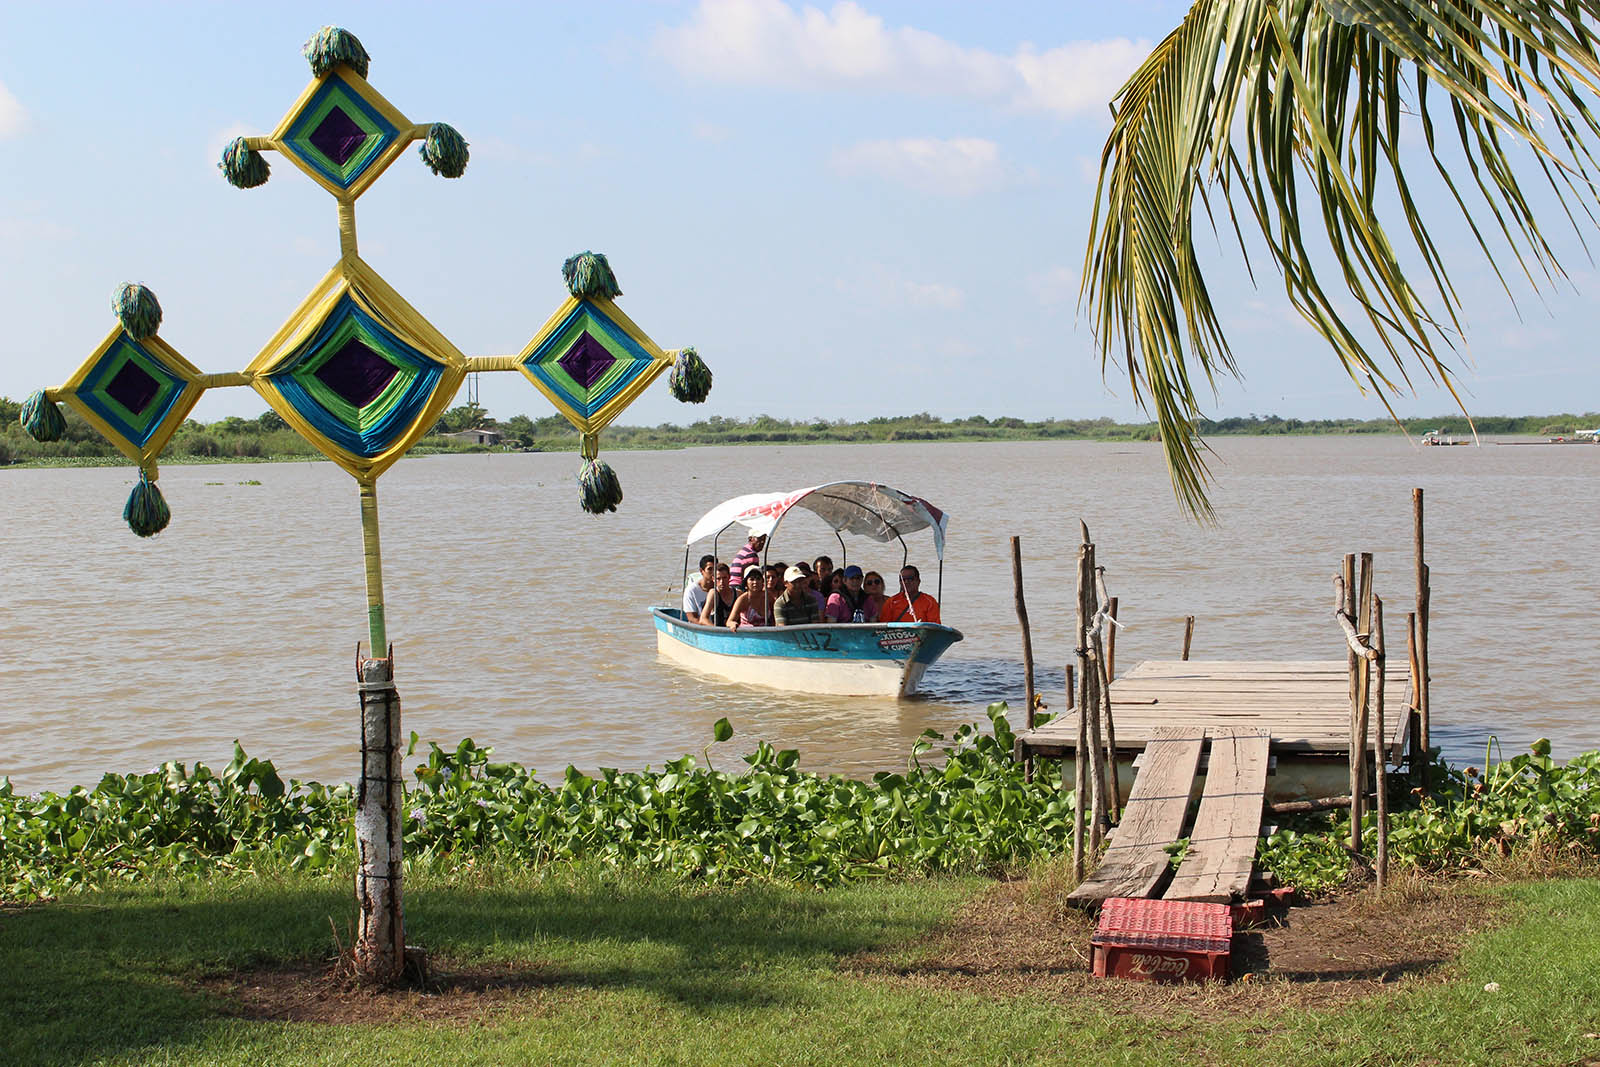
(191, 375)
(407, 132)
(660, 360)
(374, 296)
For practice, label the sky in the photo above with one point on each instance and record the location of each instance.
(851, 210)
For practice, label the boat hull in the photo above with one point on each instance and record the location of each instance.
(839, 659)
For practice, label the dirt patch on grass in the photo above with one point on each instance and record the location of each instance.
(1017, 939)
(317, 992)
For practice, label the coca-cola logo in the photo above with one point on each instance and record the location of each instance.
(1149, 966)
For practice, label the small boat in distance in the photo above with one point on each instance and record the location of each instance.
(842, 659)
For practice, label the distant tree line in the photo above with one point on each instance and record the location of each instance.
(268, 437)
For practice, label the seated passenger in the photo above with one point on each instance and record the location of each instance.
(854, 595)
(719, 603)
(754, 606)
(811, 586)
(838, 607)
(796, 607)
(910, 604)
(695, 593)
(871, 597)
(821, 570)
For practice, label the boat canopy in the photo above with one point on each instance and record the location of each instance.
(868, 509)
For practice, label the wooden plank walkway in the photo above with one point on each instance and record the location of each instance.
(1222, 845)
(1153, 818)
(1303, 704)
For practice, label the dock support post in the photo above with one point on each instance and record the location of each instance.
(1080, 669)
(1380, 760)
(1188, 634)
(1424, 594)
(1027, 646)
(1348, 573)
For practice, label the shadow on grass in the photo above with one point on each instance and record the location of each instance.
(120, 971)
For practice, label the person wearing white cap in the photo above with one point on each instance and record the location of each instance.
(796, 607)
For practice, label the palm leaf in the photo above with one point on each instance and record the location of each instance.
(1265, 101)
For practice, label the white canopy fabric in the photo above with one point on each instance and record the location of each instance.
(865, 508)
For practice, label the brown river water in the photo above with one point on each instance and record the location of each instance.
(521, 622)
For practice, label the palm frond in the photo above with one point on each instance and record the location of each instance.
(1264, 101)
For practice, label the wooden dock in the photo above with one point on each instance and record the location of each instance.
(1303, 705)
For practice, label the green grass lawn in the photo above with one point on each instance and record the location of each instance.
(631, 969)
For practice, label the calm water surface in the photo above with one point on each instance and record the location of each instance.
(520, 621)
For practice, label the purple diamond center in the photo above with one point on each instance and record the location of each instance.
(337, 136)
(586, 360)
(133, 387)
(357, 373)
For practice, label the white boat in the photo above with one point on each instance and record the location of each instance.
(845, 659)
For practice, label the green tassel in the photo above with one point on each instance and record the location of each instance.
(42, 419)
(598, 488)
(146, 512)
(588, 274)
(444, 151)
(333, 45)
(243, 166)
(136, 306)
(691, 378)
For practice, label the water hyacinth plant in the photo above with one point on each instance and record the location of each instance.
(962, 804)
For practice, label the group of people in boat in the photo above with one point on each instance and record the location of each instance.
(747, 593)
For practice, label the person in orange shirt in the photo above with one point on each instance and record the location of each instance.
(910, 604)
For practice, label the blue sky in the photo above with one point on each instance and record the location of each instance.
(857, 209)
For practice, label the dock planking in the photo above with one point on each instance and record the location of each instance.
(1153, 818)
(1222, 845)
(1303, 704)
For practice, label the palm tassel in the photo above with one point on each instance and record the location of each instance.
(588, 274)
(691, 378)
(333, 45)
(146, 512)
(444, 151)
(41, 418)
(243, 166)
(138, 309)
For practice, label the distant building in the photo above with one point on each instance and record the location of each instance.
(480, 436)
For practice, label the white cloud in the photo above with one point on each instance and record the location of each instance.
(1058, 285)
(958, 166)
(767, 42)
(709, 131)
(13, 116)
(889, 288)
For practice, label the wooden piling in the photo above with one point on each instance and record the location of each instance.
(1380, 770)
(1424, 594)
(1080, 776)
(1363, 705)
(1027, 646)
(1347, 586)
(1188, 634)
(1092, 707)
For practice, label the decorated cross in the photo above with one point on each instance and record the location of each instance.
(359, 373)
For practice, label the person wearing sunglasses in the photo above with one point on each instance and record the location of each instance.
(910, 604)
(871, 595)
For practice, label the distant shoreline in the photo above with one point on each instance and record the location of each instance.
(268, 440)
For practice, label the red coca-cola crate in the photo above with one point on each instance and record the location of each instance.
(1162, 940)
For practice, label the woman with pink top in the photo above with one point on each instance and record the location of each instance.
(838, 607)
(754, 605)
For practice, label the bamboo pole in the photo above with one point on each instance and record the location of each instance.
(1027, 648)
(379, 951)
(1188, 634)
(1380, 754)
(1417, 758)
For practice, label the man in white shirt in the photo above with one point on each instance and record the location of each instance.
(695, 593)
